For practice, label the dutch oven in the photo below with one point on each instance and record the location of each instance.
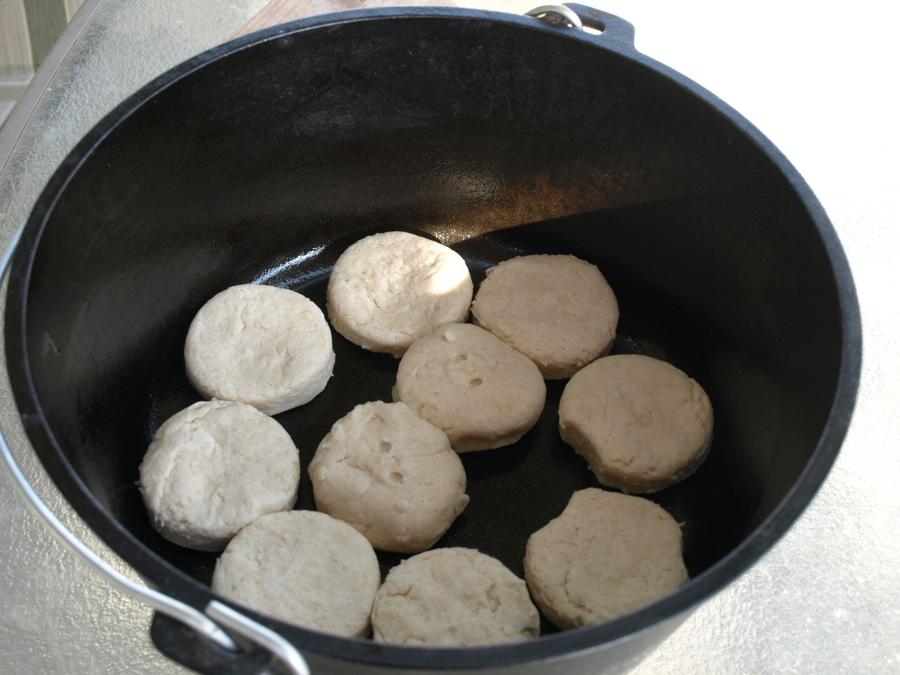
(260, 160)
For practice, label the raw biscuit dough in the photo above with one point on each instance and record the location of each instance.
(606, 555)
(480, 391)
(558, 310)
(304, 568)
(641, 423)
(391, 475)
(388, 289)
(213, 468)
(266, 346)
(453, 597)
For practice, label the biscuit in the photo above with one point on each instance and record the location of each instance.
(215, 467)
(558, 310)
(391, 475)
(480, 391)
(453, 597)
(606, 555)
(304, 568)
(641, 423)
(389, 289)
(266, 346)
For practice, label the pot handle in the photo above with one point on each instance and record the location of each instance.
(581, 17)
(207, 624)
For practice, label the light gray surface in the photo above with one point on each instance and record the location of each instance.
(818, 79)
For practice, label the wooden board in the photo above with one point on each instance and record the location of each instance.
(280, 11)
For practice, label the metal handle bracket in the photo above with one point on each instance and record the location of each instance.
(557, 15)
(605, 26)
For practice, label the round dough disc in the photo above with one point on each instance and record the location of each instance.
(453, 597)
(388, 289)
(391, 475)
(480, 391)
(641, 423)
(304, 568)
(606, 555)
(213, 468)
(558, 310)
(266, 346)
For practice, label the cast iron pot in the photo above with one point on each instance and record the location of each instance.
(262, 159)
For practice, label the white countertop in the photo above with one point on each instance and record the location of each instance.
(819, 78)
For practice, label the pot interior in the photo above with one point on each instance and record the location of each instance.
(494, 138)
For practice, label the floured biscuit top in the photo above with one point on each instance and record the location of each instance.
(391, 475)
(606, 555)
(215, 467)
(642, 424)
(453, 597)
(480, 391)
(558, 310)
(388, 289)
(302, 567)
(266, 346)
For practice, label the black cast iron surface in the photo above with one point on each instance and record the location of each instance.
(264, 158)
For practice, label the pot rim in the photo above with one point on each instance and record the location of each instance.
(169, 579)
